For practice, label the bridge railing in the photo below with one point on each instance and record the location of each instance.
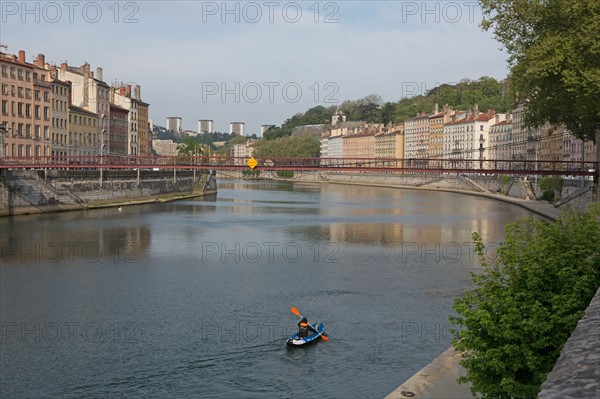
(411, 165)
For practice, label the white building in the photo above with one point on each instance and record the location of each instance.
(236, 128)
(242, 151)
(174, 124)
(264, 128)
(205, 126)
(90, 93)
(335, 147)
(468, 138)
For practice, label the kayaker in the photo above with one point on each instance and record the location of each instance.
(304, 328)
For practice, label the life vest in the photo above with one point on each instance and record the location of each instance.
(302, 330)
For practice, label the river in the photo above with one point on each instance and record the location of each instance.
(192, 298)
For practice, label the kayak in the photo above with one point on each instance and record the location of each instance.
(294, 340)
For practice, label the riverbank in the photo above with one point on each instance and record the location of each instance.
(25, 192)
(541, 208)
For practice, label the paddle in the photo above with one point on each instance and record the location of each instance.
(297, 313)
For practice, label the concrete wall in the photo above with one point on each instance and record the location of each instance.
(576, 373)
(26, 191)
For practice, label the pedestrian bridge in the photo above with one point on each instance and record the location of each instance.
(388, 165)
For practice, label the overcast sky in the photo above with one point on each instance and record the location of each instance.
(259, 62)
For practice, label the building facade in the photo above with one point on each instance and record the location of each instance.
(205, 126)
(83, 132)
(416, 137)
(61, 99)
(236, 128)
(174, 124)
(165, 147)
(89, 92)
(118, 130)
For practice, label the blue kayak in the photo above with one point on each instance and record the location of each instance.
(294, 340)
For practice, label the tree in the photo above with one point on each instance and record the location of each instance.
(190, 147)
(554, 56)
(305, 146)
(512, 326)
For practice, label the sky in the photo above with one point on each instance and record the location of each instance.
(258, 62)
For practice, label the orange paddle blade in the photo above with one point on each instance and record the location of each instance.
(325, 338)
(295, 311)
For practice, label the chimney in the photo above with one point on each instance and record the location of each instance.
(137, 92)
(435, 108)
(128, 91)
(491, 112)
(99, 74)
(64, 66)
(122, 90)
(21, 55)
(112, 94)
(85, 68)
(40, 60)
(476, 110)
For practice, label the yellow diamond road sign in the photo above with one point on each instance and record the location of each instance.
(252, 163)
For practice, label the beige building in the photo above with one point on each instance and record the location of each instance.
(390, 143)
(83, 132)
(61, 98)
(91, 93)
(144, 134)
(165, 147)
(359, 146)
(436, 130)
(416, 137)
(500, 144)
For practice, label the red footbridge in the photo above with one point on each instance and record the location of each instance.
(409, 166)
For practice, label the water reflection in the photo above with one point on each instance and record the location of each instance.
(74, 236)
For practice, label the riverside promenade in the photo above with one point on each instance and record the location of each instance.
(437, 380)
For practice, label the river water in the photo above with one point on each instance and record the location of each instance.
(192, 298)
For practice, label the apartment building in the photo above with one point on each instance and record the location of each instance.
(118, 138)
(84, 138)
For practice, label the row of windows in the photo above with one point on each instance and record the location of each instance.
(21, 74)
(82, 120)
(23, 110)
(23, 92)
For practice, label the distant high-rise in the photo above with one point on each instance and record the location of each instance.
(236, 128)
(264, 128)
(174, 123)
(205, 126)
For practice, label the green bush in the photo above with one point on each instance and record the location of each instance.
(512, 326)
(286, 174)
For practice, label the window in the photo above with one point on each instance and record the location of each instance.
(46, 96)
(28, 75)
(28, 93)
(4, 107)
(481, 128)
(20, 92)
(47, 113)
(36, 95)
(36, 112)
(37, 131)
(4, 89)
(20, 74)
(12, 72)
(28, 110)
(20, 109)
(4, 70)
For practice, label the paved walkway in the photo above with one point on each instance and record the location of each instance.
(437, 380)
